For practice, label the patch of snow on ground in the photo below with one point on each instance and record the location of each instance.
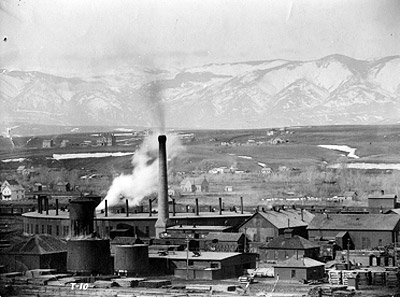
(342, 148)
(245, 157)
(13, 160)
(89, 155)
(381, 166)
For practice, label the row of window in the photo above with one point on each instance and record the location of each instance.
(46, 229)
(55, 230)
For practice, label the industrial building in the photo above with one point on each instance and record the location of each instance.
(360, 231)
(36, 252)
(285, 246)
(202, 265)
(88, 235)
(268, 224)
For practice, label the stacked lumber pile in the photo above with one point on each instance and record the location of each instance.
(335, 277)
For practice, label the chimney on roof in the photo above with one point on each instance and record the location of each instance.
(382, 192)
(288, 233)
(150, 208)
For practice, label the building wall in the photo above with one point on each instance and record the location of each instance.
(258, 229)
(362, 239)
(59, 228)
(378, 205)
(289, 273)
(227, 268)
(16, 262)
(143, 227)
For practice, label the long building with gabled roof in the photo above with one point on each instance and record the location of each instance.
(365, 231)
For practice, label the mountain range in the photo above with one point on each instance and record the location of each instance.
(333, 90)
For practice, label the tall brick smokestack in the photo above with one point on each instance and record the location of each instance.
(163, 212)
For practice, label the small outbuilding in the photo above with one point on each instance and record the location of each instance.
(36, 252)
(302, 269)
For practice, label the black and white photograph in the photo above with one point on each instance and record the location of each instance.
(200, 148)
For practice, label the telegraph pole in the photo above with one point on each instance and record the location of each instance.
(187, 257)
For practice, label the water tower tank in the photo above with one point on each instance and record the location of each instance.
(133, 259)
(89, 256)
(82, 216)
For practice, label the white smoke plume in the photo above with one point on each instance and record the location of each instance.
(144, 178)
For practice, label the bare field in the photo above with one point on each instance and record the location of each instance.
(299, 165)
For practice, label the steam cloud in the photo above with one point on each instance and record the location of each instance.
(144, 178)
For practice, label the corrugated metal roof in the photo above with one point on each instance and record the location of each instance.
(384, 222)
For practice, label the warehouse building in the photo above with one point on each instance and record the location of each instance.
(202, 266)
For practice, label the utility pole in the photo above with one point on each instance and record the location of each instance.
(187, 257)
(348, 253)
(245, 241)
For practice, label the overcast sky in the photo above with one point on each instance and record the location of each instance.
(72, 36)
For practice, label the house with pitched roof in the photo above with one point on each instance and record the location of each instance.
(198, 184)
(360, 231)
(285, 246)
(12, 190)
(268, 224)
(224, 242)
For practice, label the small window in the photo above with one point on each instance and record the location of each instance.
(293, 273)
(57, 230)
(42, 229)
(49, 229)
(147, 231)
(215, 265)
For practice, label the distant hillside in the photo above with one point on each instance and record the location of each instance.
(332, 90)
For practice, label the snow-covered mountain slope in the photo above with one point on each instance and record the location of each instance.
(332, 90)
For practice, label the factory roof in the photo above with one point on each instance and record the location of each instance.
(199, 228)
(198, 256)
(281, 219)
(381, 222)
(39, 245)
(295, 262)
(293, 243)
(141, 216)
